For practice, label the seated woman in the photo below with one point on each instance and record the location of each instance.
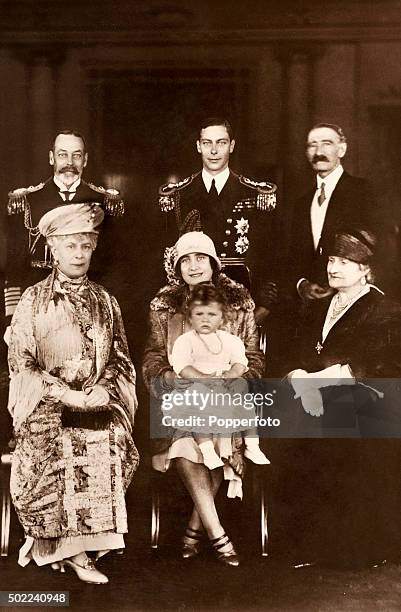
(72, 398)
(346, 511)
(195, 261)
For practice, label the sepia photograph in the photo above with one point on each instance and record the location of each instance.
(200, 258)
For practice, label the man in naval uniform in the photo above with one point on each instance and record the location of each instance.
(28, 258)
(232, 210)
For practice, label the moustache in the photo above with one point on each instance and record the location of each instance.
(318, 158)
(71, 169)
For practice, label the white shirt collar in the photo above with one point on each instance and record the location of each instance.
(219, 179)
(62, 187)
(318, 212)
(331, 180)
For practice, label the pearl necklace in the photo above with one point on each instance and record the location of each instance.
(208, 347)
(338, 307)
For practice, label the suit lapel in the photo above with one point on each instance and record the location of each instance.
(220, 207)
(53, 189)
(305, 228)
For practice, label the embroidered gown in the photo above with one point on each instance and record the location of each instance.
(70, 469)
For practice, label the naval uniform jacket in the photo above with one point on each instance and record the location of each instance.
(28, 259)
(238, 224)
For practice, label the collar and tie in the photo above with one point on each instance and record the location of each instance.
(68, 195)
(213, 190)
(322, 196)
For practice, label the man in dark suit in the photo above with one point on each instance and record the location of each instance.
(230, 208)
(336, 199)
(28, 258)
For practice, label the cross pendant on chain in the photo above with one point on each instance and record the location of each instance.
(319, 347)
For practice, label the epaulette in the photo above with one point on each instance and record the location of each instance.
(266, 192)
(17, 199)
(169, 193)
(112, 200)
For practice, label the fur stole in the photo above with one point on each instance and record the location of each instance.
(173, 297)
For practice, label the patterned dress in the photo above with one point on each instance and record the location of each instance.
(70, 468)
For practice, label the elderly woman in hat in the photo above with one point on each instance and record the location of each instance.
(72, 399)
(352, 334)
(194, 261)
(350, 341)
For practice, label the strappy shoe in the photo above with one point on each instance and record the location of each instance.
(228, 557)
(86, 572)
(192, 543)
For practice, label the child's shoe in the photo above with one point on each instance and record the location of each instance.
(210, 457)
(253, 452)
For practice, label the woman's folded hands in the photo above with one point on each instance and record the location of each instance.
(93, 397)
(307, 384)
(96, 396)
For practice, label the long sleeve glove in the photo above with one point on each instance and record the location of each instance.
(311, 398)
(306, 385)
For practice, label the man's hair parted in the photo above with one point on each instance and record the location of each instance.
(209, 121)
(67, 132)
(336, 128)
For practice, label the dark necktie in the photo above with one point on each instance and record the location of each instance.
(213, 191)
(68, 195)
(322, 196)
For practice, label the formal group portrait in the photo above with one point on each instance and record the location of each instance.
(200, 257)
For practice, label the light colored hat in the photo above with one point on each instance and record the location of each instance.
(72, 219)
(195, 242)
